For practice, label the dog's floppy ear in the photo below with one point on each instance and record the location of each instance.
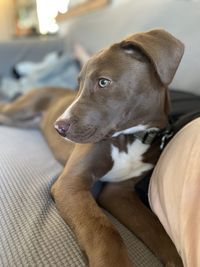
(162, 48)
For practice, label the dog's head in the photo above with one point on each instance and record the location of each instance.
(123, 86)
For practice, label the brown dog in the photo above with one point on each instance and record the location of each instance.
(117, 118)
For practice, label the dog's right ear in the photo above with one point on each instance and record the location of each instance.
(162, 49)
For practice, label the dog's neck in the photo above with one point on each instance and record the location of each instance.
(142, 132)
(148, 135)
(157, 118)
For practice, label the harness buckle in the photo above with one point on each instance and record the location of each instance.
(168, 134)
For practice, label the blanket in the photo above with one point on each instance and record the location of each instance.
(54, 71)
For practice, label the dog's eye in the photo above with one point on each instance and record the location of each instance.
(103, 82)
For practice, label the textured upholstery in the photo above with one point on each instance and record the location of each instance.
(31, 231)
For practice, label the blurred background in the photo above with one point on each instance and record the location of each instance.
(30, 17)
(42, 41)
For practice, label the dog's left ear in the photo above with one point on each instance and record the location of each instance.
(163, 50)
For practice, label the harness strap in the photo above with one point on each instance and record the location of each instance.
(148, 136)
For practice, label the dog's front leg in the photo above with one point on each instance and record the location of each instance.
(95, 233)
(123, 203)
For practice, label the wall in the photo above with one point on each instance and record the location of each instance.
(7, 19)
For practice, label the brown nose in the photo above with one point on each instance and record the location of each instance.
(62, 127)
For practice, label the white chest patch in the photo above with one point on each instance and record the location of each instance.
(127, 165)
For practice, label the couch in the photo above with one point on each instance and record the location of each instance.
(31, 231)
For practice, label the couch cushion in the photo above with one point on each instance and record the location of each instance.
(31, 231)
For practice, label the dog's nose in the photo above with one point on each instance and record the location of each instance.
(62, 127)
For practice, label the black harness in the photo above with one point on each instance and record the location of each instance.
(148, 136)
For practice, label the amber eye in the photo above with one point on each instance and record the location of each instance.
(103, 82)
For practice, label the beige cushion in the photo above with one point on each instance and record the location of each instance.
(174, 192)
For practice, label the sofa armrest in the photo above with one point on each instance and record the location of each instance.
(31, 49)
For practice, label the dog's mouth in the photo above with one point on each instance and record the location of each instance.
(92, 135)
(86, 135)
(83, 133)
